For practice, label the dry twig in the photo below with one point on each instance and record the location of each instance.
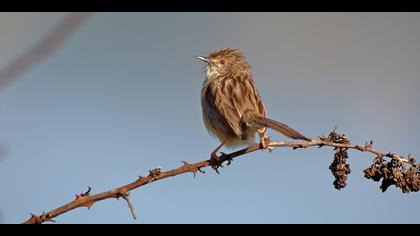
(407, 179)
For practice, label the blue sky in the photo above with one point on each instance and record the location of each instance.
(122, 96)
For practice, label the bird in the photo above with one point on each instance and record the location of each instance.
(232, 108)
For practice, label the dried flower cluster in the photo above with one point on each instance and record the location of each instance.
(394, 172)
(339, 168)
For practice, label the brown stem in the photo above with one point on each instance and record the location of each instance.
(87, 200)
(320, 143)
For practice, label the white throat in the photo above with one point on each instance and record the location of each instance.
(212, 72)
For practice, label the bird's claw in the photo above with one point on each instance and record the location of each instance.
(216, 161)
(228, 159)
(265, 142)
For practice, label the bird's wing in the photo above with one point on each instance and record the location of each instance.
(241, 96)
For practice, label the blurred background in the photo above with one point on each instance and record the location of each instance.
(121, 95)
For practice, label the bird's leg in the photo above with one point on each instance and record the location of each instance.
(214, 159)
(264, 140)
(214, 153)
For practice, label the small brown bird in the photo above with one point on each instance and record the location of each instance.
(232, 108)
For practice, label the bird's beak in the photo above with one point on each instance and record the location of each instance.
(203, 59)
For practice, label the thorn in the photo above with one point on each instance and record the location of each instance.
(45, 217)
(83, 195)
(359, 148)
(184, 163)
(369, 144)
(201, 171)
(36, 218)
(194, 170)
(87, 193)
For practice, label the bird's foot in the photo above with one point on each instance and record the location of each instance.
(216, 161)
(265, 143)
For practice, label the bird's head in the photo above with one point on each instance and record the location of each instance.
(225, 62)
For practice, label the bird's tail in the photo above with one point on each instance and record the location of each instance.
(280, 127)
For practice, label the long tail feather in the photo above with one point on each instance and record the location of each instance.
(280, 127)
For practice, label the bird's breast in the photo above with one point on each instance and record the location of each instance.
(221, 119)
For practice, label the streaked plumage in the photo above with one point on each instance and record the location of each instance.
(232, 108)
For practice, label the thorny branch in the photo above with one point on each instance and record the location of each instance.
(393, 172)
(402, 172)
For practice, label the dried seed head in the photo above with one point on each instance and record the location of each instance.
(339, 168)
(394, 172)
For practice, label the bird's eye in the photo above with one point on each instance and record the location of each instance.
(223, 62)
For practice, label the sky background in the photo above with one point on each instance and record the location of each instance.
(122, 96)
